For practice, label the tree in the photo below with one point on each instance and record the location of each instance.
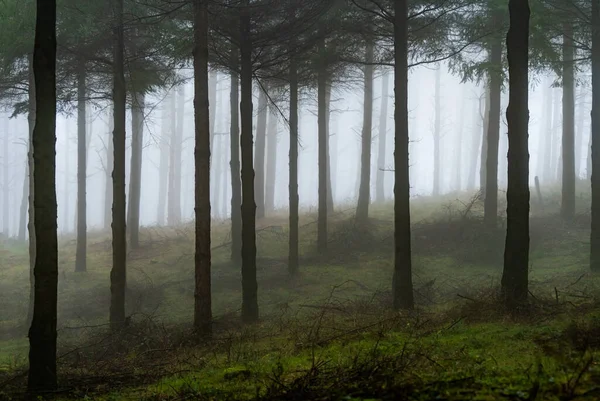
(118, 274)
(271, 159)
(81, 252)
(402, 288)
(322, 148)
(516, 253)
(236, 185)
(595, 138)
(293, 169)
(567, 208)
(138, 101)
(42, 333)
(364, 197)
(437, 133)
(380, 181)
(260, 148)
(249, 284)
(202, 294)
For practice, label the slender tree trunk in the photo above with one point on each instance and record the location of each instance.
(330, 202)
(213, 81)
(322, 152)
(138, 105)
(579, 132)
(42, 333)
(503, 147)
(110, 161)
(567, 209)
(556, 157)
(163, 170)
(543, 135)
(459, 144)
(271, 159)
(81, 252)
(595, 139)
(249, 284)
(402, 287)
(364, 196)
(380, 181)
(293, 170)
(202, 294)
(516, 254)
(174, 201)
(484, 141)
(475, 146)
(236, 184)
(118, 276)
(437, 133)
(31, 119)
(259, 157)
(493, 134)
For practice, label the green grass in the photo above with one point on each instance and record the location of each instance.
(330, 331)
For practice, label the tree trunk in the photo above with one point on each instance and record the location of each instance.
(364, 196)
(484, 140)
(249, 284)
(555, 156)
(543, 139)
(174, 202)
(138, 105)
(163, 171)
(493, 134)
(213, 81)
(271, 159)
(31, 118)
(118, 276)
(322, 152)
(595, 138)
(437, 133)
(42, 333)
(202, 294)
(567, 209)
(579, 132)
(459, 143)
(81, 252)
(293, 170)
(475, 146)
(380, 181)
(259, 157)
(330, 202)
(110, 161)
(234, 144)
(402, 288)
(516, 253)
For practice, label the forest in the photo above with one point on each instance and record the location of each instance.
(300, 200)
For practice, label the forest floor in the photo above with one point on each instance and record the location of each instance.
(330, 333)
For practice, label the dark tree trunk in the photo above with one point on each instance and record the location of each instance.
(271, 159)
(380, 181)
(138, 105)
(437, 133)
(118, 276)
(249, 284)
(80, 255)
(202, 294)
(484, 141)
(31, 118)
(579, 131)
(163, 171)
(329, 173)
(42, 333)
(110, 161)
(322, 152)
(364, 195)
(293, 170)
(493, 132)
(174, 198)
(595, 139)
(402, 287)
(259, 157)
(567, 209)
(516, 253)
(236, 184)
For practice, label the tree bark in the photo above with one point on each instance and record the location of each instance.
(293, 262)
(402, 287)
(330, 203)
(437, 133)
(42, 333)
(271, 160)
(118, 274)
(236, 184)
(202, 294)
(567, 209)
(138, 105)
(484, 141)
(380, 180)
(81, 252)
(516, 254)
(259, 157)
(31, 118)
(364, 196)
(493, 133)
(579, 161)
(249, 284)
(163, 171)
(110, 161)
(595, 138)
(322, 150)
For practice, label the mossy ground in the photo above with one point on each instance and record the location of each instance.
(329, 333)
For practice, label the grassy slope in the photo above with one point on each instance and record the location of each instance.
(330, 331)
